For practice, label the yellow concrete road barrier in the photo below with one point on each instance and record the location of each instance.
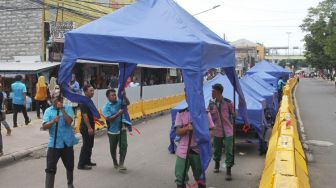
(285, 163)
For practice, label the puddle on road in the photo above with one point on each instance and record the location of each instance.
(319, 143)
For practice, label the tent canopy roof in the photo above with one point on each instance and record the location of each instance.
(265, 75)
(159, 28)
(270, 68)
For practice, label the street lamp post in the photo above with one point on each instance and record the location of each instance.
(214, 7)
(288, 33)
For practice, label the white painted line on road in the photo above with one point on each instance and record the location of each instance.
(320, 143)
(308, 152)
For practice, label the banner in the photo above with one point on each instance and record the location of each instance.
(57, 30)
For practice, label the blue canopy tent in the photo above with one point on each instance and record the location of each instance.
(159, 33)
(286, 72)
(267, 67)
(255, 86)
(267, 86)
(255, 110)
(248, 89)
(273, 81)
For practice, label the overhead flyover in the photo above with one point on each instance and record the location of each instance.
(275, 54)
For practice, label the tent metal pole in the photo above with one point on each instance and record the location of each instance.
(141, 82)
(234, 121)
(122, 106)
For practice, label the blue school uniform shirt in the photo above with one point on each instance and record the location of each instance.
(18, 88)
(111, 109)
(65, 133)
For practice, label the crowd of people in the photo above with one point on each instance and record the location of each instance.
(58, 119)
(59, 114)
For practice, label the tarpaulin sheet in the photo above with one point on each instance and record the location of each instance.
(158, 33)
(255, 110)
(267, 86)
(255, 86)
(273, 81)
(270, 68)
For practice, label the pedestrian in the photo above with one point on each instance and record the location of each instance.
(87, 128)
(113, 82)
(222, 110)
(52, 84)
(281, 84)
(3, 114)
(74, 87)
(19, 99)
(113, 111)
(93, 82)
(3, 120)
(184, 126)
(42, 96)
(58, 119)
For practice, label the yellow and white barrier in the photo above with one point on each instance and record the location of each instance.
(140, 109)
(285, 164)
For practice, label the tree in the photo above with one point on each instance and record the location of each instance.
(320, 40)
(293, 63)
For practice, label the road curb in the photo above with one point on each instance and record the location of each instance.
(11, 158)
(308, 151)
(16, 156)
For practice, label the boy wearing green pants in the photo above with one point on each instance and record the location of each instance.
(183, 125)
(221, 109)
(113, 112)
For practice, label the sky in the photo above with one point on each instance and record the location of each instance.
(262, 21)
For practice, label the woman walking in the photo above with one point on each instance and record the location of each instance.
(42, 96)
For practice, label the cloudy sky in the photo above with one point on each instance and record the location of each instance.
(263, 21)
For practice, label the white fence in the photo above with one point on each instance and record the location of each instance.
(133, 93)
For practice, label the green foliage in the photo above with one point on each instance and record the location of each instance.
(320, 40)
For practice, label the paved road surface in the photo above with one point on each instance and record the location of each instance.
(149, 163)
(317, 103)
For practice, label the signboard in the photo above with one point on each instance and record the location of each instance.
(57, 30)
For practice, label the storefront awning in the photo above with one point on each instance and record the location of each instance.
(25, 68)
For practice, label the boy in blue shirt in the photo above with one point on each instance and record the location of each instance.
(113, 111)
(57, 119)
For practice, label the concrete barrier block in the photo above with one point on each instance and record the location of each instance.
(285, 163)
(285, 143)
(281, 181)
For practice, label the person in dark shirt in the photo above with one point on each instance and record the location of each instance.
(3, 120)
(87, 128)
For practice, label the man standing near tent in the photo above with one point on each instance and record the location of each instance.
(57, 119)
(185, 159)
(113, 111)
(222, 110)
(87, 128)
(281, 84)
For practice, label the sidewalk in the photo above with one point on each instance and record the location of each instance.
(25, 140)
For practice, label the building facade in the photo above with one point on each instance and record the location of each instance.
(246, 55)
(20, 29)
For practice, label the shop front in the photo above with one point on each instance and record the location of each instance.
(30, 73)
